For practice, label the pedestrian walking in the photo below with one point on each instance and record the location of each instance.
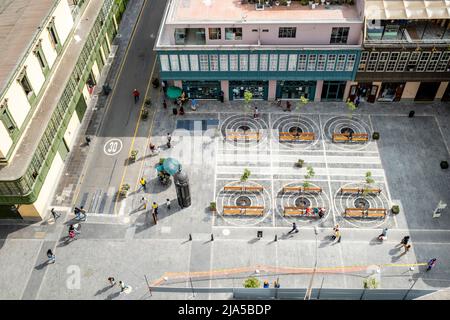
(112, 281)
(163, 86)
(337, 235)
(169, 138)
(155, 208)
(80, 211)
(72, 235)
(266, 284)
(406, 247)
(383, 234)
(55, 214)
(88, 140)
(168, 204)
(294, 228)
(122, 286)
(51, 256)
(255, 113)
(404, 241)
(431, 264)
(143, 203)
(276, 284)
(288, 106)
(164, 103)
(143, 183)
(136, 95)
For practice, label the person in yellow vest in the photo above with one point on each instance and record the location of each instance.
(143, 183)
(155, 208)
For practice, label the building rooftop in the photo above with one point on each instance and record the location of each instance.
(207, 11)
(407, 9)
(19, 21)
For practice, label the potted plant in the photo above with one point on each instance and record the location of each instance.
(371, 283)
(144, 114)
(299, 163)
(376, 136)
(309, 174)
(148, 102)
(304, 2)
(245, 175)
(368, 182)
(212, 206)
(351, 107)
(161, 160)
(395, 209)
(133, 155)
(444, 165)
(252, 282)
(124, 190)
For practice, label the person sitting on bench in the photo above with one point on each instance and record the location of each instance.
(321, 212)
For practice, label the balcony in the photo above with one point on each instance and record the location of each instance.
(435, 31)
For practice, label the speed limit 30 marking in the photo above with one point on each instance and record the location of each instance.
(113, 147)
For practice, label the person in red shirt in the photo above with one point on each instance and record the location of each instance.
(136, 95)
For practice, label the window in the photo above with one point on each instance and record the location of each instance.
(363, 61)
(194, 62)
(215, 34)
(392, 61)
(292, 66)
(273, 62)
(301, 62)
(282, 64)
(41, 57)
(25, 83)
(214, 62)
(339, 35)
(382, 61)
(175, 66)
(312, 62)
(351, 59)
(433, 61)
(233, 33)
(223, 62)
(233, 62)
(321, 62)
(372, 61)
(204, 62)
(253, 62)
(263, 62)
(412, 63)
(423, 61)
(6, 118)
(184, 62)
(442, 65)
(164, 62)
(254, 30)
(53, 35)
(265, 30)
(340, 62)
(401, 65)
(331, 62)
(243, 62)
(287, 32)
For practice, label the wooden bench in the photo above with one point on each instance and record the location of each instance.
(377, 191)
(360, 137)
(340, 137)
(354, 212)
(302, 189)
(350, 190)
(242, 188)
(303, 136)
(294, 211)
(239, 136)
(312, 189)
(376, 212)
(292, 189)
(246, 211)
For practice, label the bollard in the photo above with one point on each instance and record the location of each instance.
(411, 114)
(276, 238)
(190, 237)
(212, 237)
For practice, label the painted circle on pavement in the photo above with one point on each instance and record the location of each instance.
(113, 147)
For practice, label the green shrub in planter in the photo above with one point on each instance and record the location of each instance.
(212, 206)
(444, 165)
(376, 136)
(395, 209)
(252, 282)
(300, 163)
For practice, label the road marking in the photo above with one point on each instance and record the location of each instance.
(113, 147)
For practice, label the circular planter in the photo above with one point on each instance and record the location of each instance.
(395, 209)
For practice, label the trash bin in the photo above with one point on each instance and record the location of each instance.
(411, 114)
(182, 187)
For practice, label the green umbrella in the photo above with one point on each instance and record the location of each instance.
(174, 92)
(171, 166)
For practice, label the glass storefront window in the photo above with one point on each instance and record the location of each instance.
(202, 89)
(296, 89)
(333, 90)
(257, 88)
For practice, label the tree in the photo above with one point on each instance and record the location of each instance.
(351, 107)
(245, 175)
(248, 97)
(371, 283)
(309, 174)
(368, 182)
(302, 101)
(252, 282)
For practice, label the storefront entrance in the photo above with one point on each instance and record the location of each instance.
(202, 89)
(296, 89)
(391, 91)
(427, 91)
(259, 89)
(365, 90)
(333, 90)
